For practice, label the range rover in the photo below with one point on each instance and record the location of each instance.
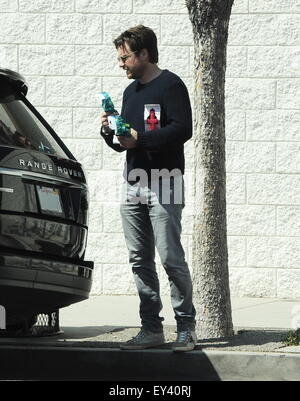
(43, 211)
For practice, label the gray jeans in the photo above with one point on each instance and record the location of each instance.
(152, 220)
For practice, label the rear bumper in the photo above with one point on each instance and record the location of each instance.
(31, 284)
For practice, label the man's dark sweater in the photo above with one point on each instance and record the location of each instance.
(160, 148)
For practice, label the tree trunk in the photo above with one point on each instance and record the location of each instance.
(210, 20)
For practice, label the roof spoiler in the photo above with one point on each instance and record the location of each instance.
(15, 79)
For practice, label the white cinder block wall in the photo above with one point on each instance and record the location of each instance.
(64, 48)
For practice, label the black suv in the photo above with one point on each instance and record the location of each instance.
(43, 211)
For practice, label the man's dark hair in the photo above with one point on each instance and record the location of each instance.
(138, 38)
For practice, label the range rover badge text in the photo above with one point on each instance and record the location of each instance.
(50, 167)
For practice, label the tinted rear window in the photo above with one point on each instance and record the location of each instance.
(21, 128)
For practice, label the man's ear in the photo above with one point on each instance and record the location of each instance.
(145, 55)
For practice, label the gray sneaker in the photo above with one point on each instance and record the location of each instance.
(186, 341)
(144, 339)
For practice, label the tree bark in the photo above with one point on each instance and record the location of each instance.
(210, 20)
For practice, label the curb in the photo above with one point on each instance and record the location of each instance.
(108, 364)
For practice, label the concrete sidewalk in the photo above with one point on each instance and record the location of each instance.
(123, 310)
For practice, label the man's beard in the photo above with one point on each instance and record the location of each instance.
(134, 74)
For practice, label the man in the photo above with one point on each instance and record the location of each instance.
(149, 217)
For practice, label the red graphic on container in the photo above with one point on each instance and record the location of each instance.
(152, 120)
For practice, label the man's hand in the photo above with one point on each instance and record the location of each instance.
(129, 142)
(104, 122)
(104, 119)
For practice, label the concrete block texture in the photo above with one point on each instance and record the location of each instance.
(273, 125)
(103, 6)
(46, 60)
(64, 49)
(273, 189)
(261, 29)
(74, 28)
(49, 6)
(9, 56)
(9, 5)
(250, 282)
(22, 28)
(60, 118)
(270, 61)
(274, 6)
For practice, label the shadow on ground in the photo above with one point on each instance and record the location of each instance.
(248, 339)
(264, 340)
